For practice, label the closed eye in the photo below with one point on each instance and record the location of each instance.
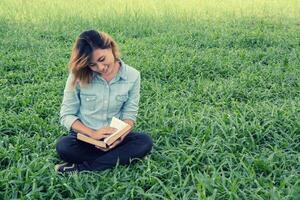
(101, 59)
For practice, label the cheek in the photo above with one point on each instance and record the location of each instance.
(110, 59)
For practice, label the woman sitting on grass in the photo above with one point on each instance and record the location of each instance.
(100, 86)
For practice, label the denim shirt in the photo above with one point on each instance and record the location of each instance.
(97, 102)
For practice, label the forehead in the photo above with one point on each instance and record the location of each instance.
(98, 53)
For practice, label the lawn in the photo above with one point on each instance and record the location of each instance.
(220, 96)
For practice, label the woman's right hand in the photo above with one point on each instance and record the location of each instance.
(103, 132)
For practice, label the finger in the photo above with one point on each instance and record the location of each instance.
(102, 149)
(105, 128)
(104, 136)
(122, 138)
(109, 130)
(126, 134)
(108, 127)
(115, 144)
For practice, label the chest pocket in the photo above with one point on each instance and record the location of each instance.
(120, 100)
(88, 102)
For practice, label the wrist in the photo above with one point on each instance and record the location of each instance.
(129, 121)
(92, 133)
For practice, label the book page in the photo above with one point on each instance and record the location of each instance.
(118, 124)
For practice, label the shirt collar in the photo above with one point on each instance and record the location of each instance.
(122, 70)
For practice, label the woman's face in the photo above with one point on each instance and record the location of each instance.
(102, 61)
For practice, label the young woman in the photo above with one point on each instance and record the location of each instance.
(100, 86)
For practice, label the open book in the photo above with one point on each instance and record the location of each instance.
(122, 129)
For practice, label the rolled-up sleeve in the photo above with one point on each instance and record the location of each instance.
(131, 106)
(70, 104)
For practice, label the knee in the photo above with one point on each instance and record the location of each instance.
(62, 147)
(147, 142)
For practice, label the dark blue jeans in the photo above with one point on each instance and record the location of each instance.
(88, 157)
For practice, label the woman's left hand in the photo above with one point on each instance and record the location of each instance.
(117, 142)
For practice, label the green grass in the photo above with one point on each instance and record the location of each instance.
(220, 97)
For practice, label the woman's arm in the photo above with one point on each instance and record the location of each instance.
(79, 127)
(70, 104)
(103, 132)
(130, 109)
(70, 107)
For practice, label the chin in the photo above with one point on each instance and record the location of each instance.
(107, 73)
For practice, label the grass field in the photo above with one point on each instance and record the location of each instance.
(220, 97)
